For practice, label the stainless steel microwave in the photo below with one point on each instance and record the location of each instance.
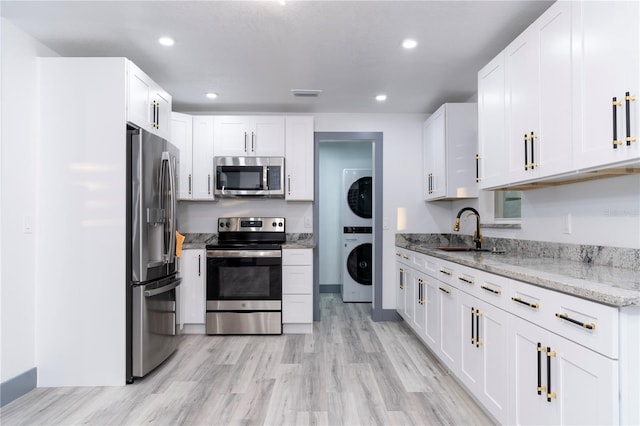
(249, 176)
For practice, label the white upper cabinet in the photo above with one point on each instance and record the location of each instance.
(449, 152)
(570, 86)
(203, 147)
(299, 158)
(193, 135)
(245, 136)
(539, 97)
(148, 106)
(182, 137)
(492, 159)
(607, 68)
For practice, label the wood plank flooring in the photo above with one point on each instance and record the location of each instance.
(351, 371)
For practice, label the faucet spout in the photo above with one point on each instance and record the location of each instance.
(477, 238)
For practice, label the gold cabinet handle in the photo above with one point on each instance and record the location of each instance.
(627, 99)
(590, 326)
(466, 280)
(490, 290)
(444, 271)
(615, 103)
(531, 305)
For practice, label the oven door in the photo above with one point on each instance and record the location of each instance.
(253, 277)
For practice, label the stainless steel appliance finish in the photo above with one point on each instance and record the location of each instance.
(154, 324)
(151, 228)
(244, 323)
(244, 277)
(249, 176)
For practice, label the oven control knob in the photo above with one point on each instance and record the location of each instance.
(228, 224)
(273, 224)
(221, 224)
(280, 224)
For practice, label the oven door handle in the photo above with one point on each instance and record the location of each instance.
(163, 289)
(243, 253)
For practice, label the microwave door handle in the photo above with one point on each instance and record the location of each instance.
(265, 176)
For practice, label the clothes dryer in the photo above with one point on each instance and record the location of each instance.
(357, 273)
(357, 196)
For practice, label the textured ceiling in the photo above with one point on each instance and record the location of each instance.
(252, 53)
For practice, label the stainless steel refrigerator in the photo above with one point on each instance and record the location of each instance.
(151, 234)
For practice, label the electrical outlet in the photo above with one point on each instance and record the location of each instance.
(27, 227)
(567, 224)
(308, 223)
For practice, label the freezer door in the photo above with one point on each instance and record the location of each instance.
(154, 324)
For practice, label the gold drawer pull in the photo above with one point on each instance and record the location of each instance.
(491, 290)
(531, 305)
(565, 317)
(466, 280)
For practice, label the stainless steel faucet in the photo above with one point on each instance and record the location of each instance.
(477, 238)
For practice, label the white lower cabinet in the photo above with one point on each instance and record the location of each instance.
(557, 381)
(297, 291)
(193, 264)
(431, 336)
(419, 302)
(448, 345)
(527, 354)
(483, 355)
(404, 276)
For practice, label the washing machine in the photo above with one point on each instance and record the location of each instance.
(357, 197)
(357, 272)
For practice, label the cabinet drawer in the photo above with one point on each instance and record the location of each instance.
(587, 323)
(431, 266)
(529, 302)
(297, 279)
(297, 308)
(404, 256)
(492, 289)
(418, 261)
(446, 273)
(297, 257)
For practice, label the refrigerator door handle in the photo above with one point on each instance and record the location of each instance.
(163, 289)
(169, 199)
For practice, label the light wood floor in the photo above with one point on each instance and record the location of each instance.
(351, 371)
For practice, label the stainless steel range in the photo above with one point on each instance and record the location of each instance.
(244, 276)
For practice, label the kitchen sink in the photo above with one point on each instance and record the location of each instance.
(450, 248)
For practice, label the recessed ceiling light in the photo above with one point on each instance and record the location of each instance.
(211, 95)
(381, 98)
(166, 41)
(409, 43)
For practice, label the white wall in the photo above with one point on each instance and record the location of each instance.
(202, 217)
(19, 139)
(603, 212)
(334, 157)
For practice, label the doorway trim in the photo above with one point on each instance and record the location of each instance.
(375, 138)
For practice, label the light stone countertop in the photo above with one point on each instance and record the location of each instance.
(294, 241)
(604, 284)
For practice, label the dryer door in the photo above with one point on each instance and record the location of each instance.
(359, 197)
(359, 264)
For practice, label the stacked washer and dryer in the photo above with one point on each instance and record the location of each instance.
(357, 223)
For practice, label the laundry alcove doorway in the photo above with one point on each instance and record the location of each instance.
(335, 152)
